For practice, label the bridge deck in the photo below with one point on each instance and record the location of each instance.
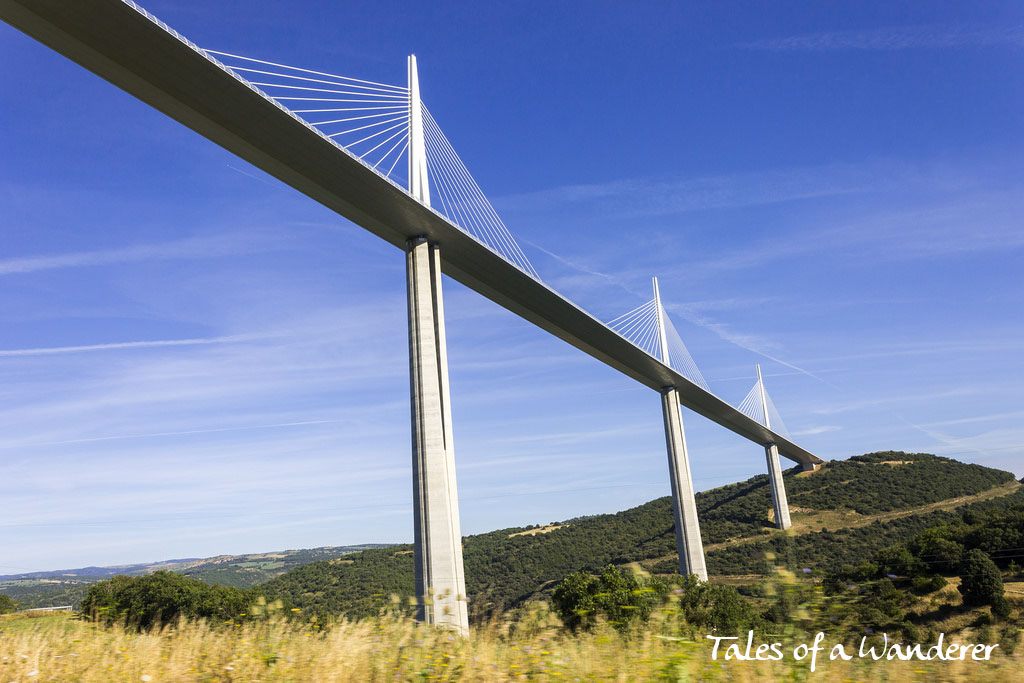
(119, 44)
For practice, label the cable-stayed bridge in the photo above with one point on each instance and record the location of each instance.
(373, 153)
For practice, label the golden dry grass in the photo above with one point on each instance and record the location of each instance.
(59, 647)
(546, 529)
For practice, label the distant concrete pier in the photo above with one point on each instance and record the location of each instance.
(775, 481)
(684, 501)
(778, 487)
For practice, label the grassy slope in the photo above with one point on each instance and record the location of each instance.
(881, 502)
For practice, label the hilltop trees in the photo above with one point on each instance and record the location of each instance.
(971, 545)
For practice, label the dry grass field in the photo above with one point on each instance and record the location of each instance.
(62, 648)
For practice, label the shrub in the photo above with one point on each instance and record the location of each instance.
(1001, 607)
(620, 596)
(710, 607)
(924, 585)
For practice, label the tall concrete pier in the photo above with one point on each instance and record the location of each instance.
(775, 482)
(684, 502)
(440, 579)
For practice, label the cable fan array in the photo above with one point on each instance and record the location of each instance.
(369, 119)
(372, 121)
(462, 201)
(640, 327)
(752, 407)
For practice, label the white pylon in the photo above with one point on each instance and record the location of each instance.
(419, 184)
(684, 502)
(660, 312)
(764, 398)
(439, 574)
(778, 487)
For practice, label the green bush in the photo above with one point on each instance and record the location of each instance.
(160, 598)
(924, 585)
(624, 599)
(620, 596)
(980, 583)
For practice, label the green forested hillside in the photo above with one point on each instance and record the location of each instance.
(69, 586)
(827, 549)
(244, 571)
(504, 567)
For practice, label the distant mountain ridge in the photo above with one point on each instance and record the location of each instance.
(198, 565)
(103, 572)
(67, 586)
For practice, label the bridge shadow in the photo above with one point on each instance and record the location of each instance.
(761, 481)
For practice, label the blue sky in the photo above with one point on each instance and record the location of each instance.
(196, 359)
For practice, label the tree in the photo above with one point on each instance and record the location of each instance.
(897, 560)
(980, 580)
(7, 605)
(620, 596)
(943, 553)
(730, 613)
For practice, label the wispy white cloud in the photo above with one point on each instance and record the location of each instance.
(753, 343)
(929, 347)
(824, 429)
(149, 344)
(895, 38)
(189, 248)
(835, 408)
(638, 197)
(995, 443)
(749, 376)
(941, 228)
(618, 280)
(915, 212)
(578, 437)
(155, 435)
(975, 419)
(179, 385)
